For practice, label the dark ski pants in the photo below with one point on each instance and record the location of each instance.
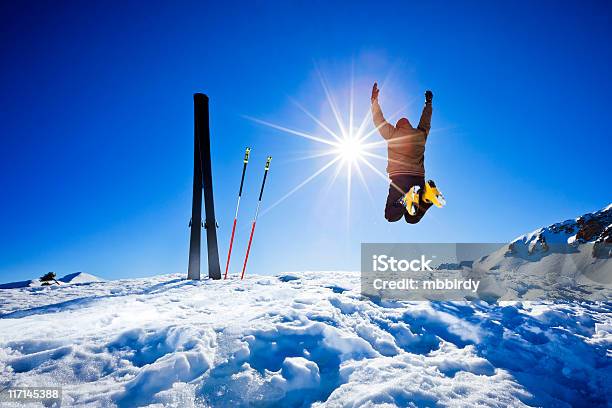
(399, 186)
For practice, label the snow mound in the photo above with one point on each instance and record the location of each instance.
(80, 277)
(307, 340)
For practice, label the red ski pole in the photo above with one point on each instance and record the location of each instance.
(229, 252)
(263, 183)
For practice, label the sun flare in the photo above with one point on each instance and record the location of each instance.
(346, 146)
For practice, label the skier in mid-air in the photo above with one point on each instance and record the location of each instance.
(409, 195)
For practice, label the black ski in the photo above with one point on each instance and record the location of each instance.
(202, 179)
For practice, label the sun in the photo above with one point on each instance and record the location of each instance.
(346, 146)
(350, 149)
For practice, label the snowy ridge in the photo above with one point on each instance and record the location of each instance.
(72, 278)
(572, 258)
(589, 228)
(298, 340)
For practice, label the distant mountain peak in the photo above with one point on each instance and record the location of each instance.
(71, 278)
(79, 277)
(595, 227)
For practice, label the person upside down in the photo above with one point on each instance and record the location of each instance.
(409, 195)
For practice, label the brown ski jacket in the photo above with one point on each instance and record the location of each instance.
(405, 144)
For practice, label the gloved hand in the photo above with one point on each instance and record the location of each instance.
(428, 96)
(375, 92)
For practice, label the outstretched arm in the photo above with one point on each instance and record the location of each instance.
(385, 129)
(425, 122)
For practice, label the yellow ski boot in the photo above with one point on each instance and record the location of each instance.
(411, 199)
(433, 195)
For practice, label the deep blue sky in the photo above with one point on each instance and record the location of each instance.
(96, 121)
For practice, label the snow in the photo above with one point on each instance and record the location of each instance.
(79, 277)
(548, 275)
(15, 285)
(298, 339)
(552, 262)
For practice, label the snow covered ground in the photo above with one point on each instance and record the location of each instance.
(298, 340)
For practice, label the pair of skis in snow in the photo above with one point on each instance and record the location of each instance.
(263, 183)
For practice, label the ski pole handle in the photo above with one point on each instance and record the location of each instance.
(247, 153)
(263, 183)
